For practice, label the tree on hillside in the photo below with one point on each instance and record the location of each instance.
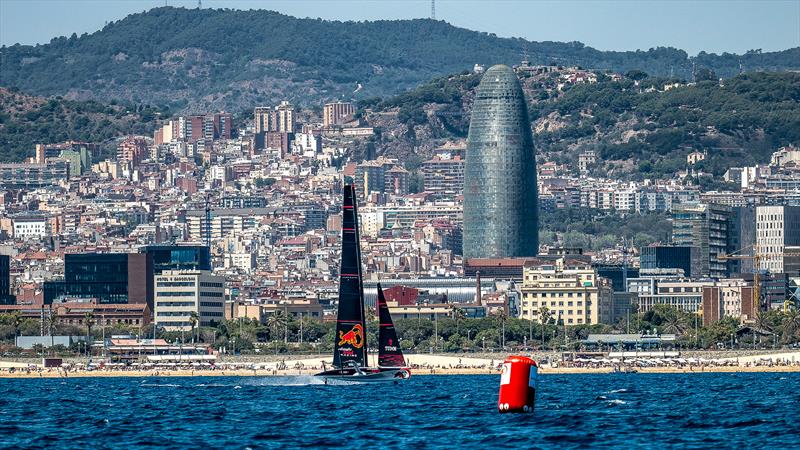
(636, 75)
(705, 74)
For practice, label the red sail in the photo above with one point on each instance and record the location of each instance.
(389, 352)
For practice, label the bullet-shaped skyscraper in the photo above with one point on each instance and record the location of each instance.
(501, 207)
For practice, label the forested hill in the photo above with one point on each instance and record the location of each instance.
(199, 59)
(28, 120)
(639, 126)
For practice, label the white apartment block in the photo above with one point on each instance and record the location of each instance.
(776, 228)
(179, 293)
(625, 200)
(30, 227)
(245, 261)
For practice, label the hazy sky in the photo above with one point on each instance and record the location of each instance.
(713, 26)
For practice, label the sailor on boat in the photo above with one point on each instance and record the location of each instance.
(350, 350)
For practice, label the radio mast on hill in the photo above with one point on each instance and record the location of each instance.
(433, 9)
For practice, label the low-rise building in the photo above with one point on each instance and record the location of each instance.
(681, 293)
(420, 311)
(565, 289)
(728, 298)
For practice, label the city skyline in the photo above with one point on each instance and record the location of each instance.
(606, 25)
(195, 192)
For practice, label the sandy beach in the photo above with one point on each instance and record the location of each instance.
(416, 372)
(422, 364)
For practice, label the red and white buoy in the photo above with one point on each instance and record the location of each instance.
(517, 385)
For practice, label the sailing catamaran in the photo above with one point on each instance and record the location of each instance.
(350, 350)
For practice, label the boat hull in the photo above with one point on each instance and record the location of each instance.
(365, 375)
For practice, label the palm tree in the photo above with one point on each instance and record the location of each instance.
(88, 319)
(544, 316)
(194, 319)
(763, 323)
(675, 324)
(501, 317)
(52, 320)
(458, 315)
(277, 321)
(791, 324)
(16, 321)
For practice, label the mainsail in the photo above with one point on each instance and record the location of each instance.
(351, 336)
(389, 352)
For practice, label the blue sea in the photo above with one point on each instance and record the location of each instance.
(756, 410)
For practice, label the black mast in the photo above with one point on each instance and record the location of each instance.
(389, 352)
(351, 336)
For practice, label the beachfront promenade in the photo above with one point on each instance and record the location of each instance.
(422, 364)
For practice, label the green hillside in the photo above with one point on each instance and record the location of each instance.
(639, 129)
(198, 59)
(26, 121)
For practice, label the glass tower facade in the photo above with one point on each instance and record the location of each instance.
(178, 257)
(501, 207)
(105, 277)
(5, 281)
(671, 257)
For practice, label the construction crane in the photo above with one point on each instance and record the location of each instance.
(208, 221)
(757, 258)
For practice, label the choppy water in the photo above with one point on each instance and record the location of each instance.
(436, 412)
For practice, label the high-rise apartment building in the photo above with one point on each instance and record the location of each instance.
(132, 150)
(80, 160)
(704, 226)
(777, 228)
(500, 194)
(396, 181)
(444, 177)
(194, 128)
(381, 175)
(208, 128)
(741, 238)
(279, 119)
(261, 116)
(285, 117)
(336, 113)
(179, 129)
(223, 125)
(370, 177)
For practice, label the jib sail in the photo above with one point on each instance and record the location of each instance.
(389, 352)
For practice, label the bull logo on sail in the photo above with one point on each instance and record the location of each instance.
(354, 337)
